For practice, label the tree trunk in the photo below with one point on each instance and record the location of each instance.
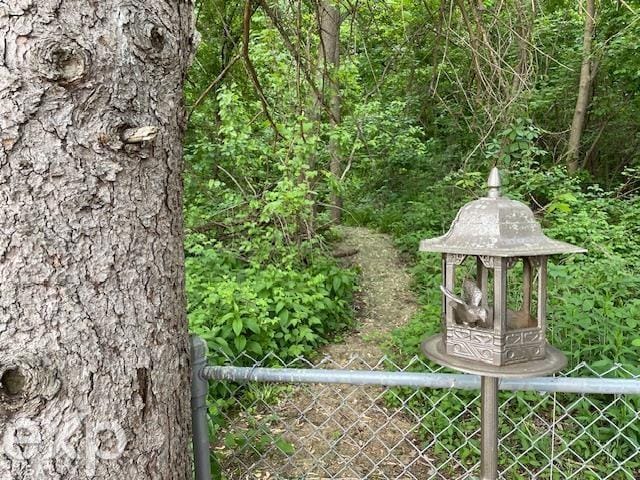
(330, 61)
(475, 53)
(94, 377)
(582, 103)
(523, 29)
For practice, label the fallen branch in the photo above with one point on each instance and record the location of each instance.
(345, 253)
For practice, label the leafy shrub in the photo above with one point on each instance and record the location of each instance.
(258, 278)
(238, 307)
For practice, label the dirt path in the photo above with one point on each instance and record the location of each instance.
(385, 293)
(342, 431)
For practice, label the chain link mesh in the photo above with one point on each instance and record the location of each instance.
(276, 431)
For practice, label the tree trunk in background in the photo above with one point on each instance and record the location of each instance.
(586, 78)
(330, 61)
(525, 14)
(94, 377)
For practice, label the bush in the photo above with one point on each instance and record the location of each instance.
(238, 307)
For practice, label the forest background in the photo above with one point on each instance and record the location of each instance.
(389, 114)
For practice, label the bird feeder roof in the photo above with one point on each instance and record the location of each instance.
(496, 226)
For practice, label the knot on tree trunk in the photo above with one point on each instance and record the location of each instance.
(151, 37)
(61, 60)
(27, 382)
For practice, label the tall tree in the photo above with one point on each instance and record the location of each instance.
(584, 89)
(329, 52)
(94, 379)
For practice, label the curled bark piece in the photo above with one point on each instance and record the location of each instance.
(140, 134)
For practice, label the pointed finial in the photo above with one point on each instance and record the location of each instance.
(494, 183)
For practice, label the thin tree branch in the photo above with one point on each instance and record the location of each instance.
(217, 80)
(295, 53)
(246, 27)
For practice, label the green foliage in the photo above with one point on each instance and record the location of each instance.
(389, 144)
(256, 282)
(593, 312)
(238, 307)
(417, 140)
(611, 140)
(517, 143)
(259, 281)
(593, 298)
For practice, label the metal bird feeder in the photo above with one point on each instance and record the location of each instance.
(494, 329)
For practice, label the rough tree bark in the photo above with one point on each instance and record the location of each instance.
(329, 53)
(94, 378)
(584, 89)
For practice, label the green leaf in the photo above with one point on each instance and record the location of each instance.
(605, 362)
(237, 325)
(285, 447)
(254, 347)
(240, 342)
(230, 441)
(567, 197)
(252, 325)
(227, 316)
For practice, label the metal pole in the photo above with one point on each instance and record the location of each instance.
(200, 425)
(582, 385)
(489, 428)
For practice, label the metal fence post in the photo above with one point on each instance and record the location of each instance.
(489, 429)
(200, 425)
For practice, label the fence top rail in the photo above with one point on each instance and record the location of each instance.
(583, 385)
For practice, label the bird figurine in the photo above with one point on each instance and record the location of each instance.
(468, 309)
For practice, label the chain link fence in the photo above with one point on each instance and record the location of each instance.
(368, 418)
